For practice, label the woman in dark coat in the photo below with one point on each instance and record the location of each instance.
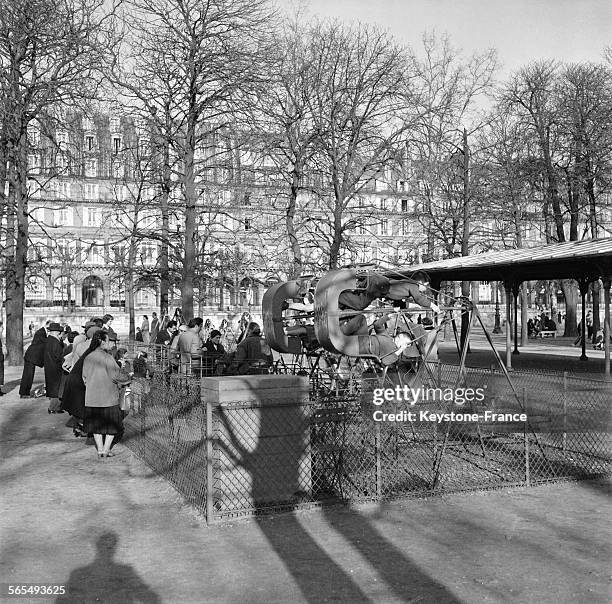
(53, 359)
(73, 399)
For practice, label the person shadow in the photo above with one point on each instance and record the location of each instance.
(105, 580)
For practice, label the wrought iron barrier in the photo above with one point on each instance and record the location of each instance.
(251, 457)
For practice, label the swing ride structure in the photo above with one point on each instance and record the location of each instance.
(357, 331)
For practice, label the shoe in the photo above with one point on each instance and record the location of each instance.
(100, 455)
(2, 393)
(109, 454)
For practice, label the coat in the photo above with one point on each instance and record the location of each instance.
(73, 398)
(210, 353)
(54, 358)
(154, 328)
(101, 376)
(250, 353)
(35, 353)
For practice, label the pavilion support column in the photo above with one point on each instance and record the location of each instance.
(515, 293)
(508, 291)
(606, 285)
(583, 284)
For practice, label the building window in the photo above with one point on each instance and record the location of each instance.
(248, 223)
(92, 291)
(92, 217)
(94, 254)
(61, 138)
(115, 124)
(63, 190)
(404, 205)
(33, 163)
(384, 227)
(148, 254)
(91, 167)
(91, 191)
(62, 217)
(34, 137)
(116, 144)
(89, 143)
(143, 145)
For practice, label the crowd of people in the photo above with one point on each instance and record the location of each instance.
(86, 376)
(541, 323)
(195, 347)
(97, 383)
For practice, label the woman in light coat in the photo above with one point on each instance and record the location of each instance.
(103, 379)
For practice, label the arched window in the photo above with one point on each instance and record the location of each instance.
(64, 291)
(93, 291)
(35, 291)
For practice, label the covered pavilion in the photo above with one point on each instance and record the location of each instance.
(585, 261)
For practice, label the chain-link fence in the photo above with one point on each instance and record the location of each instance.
(260, 454)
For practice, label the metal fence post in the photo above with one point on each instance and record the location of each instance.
(526, 433)
(209, 464)
(378, 460)
(564, 443)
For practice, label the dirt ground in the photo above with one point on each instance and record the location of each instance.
(112, 531)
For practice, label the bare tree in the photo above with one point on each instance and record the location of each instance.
(554, 110)
(200, 61)
(360, 111)
(51, 53)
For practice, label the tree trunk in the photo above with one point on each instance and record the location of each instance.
(16, 271)
(334, 250)
(296, 267)
(164, 276)
(189, 253)
(590, 189)
(524, 313)
(570, 292)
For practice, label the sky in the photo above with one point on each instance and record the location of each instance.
(521, 30)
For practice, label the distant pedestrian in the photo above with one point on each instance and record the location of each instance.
(589, 324)
(144, 328)
(34, 357)
(103, 380)
(53, 361)
(107, 322)
(138, 337)
(178, 317)
(154, 328)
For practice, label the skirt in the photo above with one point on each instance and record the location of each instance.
(103, 420)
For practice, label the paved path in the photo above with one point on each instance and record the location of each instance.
(114, 532)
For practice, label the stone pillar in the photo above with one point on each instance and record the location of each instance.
(261, 440)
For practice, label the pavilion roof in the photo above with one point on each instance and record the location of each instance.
(586, 259)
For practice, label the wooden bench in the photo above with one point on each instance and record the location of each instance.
(546, 334)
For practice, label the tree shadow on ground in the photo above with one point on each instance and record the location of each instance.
(321, 577)
(105, 580)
